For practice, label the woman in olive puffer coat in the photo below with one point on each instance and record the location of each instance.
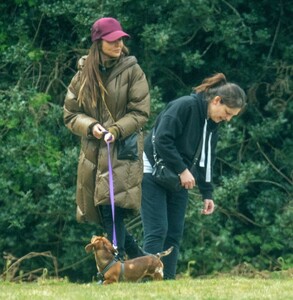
(109, 93)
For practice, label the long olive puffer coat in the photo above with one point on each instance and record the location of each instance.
(128, 103)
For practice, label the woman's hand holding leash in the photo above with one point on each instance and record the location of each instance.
(99, 131)
(108, 137)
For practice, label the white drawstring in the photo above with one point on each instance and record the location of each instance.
(208, 169)
(203, 155)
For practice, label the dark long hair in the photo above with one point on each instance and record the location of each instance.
(91, 85)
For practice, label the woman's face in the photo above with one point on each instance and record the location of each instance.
(112, 49)
(219, 112)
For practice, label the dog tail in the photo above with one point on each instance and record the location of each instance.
(165, 253)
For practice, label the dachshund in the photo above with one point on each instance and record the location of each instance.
(112, 270)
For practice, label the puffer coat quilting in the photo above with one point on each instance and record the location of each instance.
(129, 104)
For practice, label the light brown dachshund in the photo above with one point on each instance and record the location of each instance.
(112, 270)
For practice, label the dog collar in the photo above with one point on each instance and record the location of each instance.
(101, 275)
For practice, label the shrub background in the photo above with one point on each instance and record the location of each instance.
(177, 43)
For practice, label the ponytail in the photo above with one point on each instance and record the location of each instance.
(211, 82)
(231, 94)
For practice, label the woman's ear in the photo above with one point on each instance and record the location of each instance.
(217, 100)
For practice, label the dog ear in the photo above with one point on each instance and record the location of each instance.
(89, 248)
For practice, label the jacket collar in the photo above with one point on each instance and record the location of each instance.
(123, 64)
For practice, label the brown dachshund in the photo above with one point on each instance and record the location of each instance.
(112, 270)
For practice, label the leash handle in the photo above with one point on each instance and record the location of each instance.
(111, 188)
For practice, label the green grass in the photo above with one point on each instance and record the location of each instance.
(223, 288)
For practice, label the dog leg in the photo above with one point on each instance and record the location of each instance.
(109, 282)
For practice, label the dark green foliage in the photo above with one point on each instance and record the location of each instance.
(37, 182)
(177, 43)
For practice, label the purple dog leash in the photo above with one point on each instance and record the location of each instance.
(111, 188)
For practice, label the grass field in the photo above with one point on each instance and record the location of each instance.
(237, 288)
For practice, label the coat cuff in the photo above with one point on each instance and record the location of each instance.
(207, 195)
(90, 130)
(115, 131)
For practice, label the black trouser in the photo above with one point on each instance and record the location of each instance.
(163, 214)
(125, 242)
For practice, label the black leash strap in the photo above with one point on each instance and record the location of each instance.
(195, 158)
(101, 275)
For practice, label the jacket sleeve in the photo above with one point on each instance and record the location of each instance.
(166, 133)
(205, 188)
(74, 116)
(138, 104)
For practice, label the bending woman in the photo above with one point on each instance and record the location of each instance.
(186, 126)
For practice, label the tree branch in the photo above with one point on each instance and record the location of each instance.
(276, 33)
(272, 165)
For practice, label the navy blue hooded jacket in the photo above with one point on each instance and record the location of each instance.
(179, 129)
